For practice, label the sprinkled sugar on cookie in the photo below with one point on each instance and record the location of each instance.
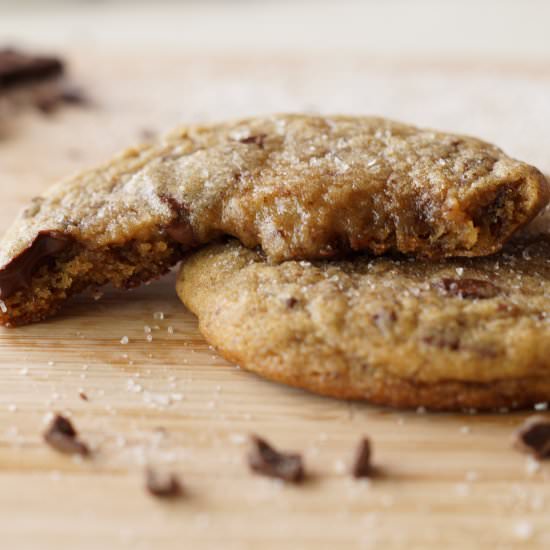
(300, 187)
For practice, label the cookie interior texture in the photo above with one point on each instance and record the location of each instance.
(300, 187)
(446, 335)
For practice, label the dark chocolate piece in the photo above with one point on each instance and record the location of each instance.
(533, 436)
(265, 460)
(256, 140)
(182, 233)
(362, 465)
(162, 485)
(18, 273)
(18, 68)
(468, 288)
(291, 302)
(62, 436)
(180, 229)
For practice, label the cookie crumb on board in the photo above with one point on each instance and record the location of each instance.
(265, 460)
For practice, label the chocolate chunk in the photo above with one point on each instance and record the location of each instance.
(291, 302)
(18, 68)
(468, 288)
(18, 273)
(182, 233)
(256, 140)
(265, 460)
(162, 485)
(62, 436)
(443, 340)
(361, 465)
(533, 436)
(180, 229)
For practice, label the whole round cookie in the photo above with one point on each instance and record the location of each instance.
(299, 186)
(445, 335)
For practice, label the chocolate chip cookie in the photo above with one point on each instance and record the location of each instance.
(300, 187)
(442, 334)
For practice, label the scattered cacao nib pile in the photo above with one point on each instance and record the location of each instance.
(62, 436)
(37, 80)
(162, 484)
(533, 437)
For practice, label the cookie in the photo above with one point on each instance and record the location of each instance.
(445, 335)
(298, 186)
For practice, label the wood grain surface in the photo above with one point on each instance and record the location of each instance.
(446, 481)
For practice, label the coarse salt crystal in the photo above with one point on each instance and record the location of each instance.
(237, 439)
(471, 476)
(459, 271)
(532, 465)
(339, 466)
(523, 530)
(3, 306)
(149, 337)
(124, 340)
(158, 315)
(540, 406)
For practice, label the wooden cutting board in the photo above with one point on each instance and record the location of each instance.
(448, 480)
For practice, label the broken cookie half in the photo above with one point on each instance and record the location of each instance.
(299, 187)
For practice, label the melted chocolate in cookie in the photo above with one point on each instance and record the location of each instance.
(18, 273)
